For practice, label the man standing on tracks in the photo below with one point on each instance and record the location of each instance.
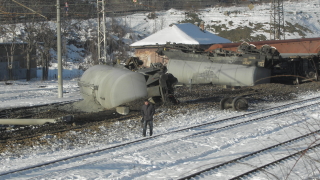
(147, 112)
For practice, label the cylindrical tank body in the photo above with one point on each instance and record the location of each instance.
(205, 72)
(111, 86)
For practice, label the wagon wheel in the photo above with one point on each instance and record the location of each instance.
(225, 103)
(240, 104)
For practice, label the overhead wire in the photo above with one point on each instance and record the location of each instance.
(117, 8)
(177, 4)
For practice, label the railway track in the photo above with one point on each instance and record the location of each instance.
(38, 112)
(33, 112)
(240, 160)
(22, 134)
(61, 127)
(189, 133)
(262, 168)
(6, 113)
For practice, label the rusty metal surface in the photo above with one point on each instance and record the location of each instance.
(290, 46)
(149, 55)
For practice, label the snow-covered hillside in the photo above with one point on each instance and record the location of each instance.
(301, 20)
(304, 13)
(159, 158)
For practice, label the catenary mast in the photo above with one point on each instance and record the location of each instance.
(277, 31)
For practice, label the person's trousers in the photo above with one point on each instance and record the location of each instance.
(150, 123)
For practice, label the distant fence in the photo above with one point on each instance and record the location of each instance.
(17, 72)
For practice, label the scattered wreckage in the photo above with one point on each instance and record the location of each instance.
(245, 64)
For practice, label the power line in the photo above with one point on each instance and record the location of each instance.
(30, 9)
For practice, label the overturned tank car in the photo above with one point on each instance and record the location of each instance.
(245, 64)
(112, 86)
(196, 66)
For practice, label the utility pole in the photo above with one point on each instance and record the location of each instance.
(102, 39)
(277, 30)
(60, 83)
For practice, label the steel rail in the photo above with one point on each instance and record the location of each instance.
(180, 130)
(245, 115)
(39, 135)
(246, 156)
(5, 111)
(275, 162)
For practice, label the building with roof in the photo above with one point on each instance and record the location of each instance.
(186, 34)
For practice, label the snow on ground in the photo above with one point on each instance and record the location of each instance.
(153, 159)
(158, 158)
(36, 92)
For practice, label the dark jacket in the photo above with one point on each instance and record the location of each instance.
(147, 112)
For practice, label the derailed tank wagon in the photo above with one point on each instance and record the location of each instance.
(297, 60)
(110, 86)
(245, 64)
(116, 85)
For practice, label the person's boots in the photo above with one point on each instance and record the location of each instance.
(144, 132)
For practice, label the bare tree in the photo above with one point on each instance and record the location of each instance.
(10, 30)
(47, 39)
(29, 36)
